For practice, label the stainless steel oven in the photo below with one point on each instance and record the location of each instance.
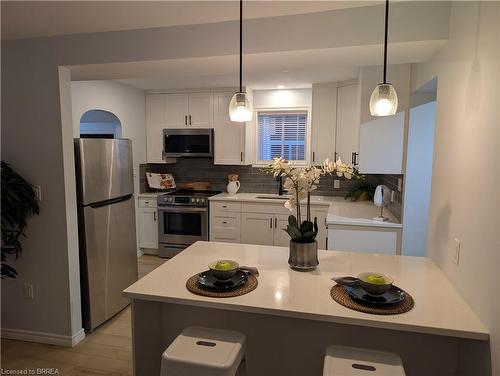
(182, 220)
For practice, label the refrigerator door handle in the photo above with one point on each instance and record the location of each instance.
(100, 204)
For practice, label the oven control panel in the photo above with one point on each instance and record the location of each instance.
(182, 200)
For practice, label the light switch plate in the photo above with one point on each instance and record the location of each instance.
(456, 251)
(336, 184)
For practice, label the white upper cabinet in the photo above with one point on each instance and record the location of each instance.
(176, 110)
(229, 136)
(381, 145)
(324, 123)
(155, 122)
(200, 110)
(347, 138)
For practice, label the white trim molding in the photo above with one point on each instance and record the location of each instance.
(42, 337)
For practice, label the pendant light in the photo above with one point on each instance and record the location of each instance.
(384, 100)
(240, 108)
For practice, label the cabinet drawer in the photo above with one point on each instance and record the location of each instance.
(224, 206)
(147, 202)
(225, 222)
(272, 208)
(224, 237)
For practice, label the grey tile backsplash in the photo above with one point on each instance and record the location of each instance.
(252, 179)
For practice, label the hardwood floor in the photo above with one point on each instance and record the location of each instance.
(106, 351)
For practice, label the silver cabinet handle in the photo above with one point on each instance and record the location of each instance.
(270, 223)
(185, 120)
(314, 156)
(224, 206)
(190, 123)
(224, 222)
(241, 156)
(275, 222)
(154, 216)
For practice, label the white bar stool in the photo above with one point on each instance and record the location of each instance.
(352, 361)
(204, 351)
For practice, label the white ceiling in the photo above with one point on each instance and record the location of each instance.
(293, 69)
(28, 19)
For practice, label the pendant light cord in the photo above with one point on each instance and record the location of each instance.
(241, 46)
(385, 38)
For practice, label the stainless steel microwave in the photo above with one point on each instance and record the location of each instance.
(188, 142)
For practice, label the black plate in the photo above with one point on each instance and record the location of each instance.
(393, 296)
(207, 279)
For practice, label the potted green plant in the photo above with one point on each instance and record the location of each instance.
(18, 204)
(300, 182)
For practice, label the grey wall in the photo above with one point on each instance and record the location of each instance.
(467, 139)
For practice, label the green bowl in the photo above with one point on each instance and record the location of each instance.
(223, 269)
(375, 283)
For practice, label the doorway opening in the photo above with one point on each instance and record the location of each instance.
(100, 124)
(418, 177)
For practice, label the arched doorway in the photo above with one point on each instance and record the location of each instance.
(100, 124)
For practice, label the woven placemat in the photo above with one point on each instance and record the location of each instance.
(193, 286)
(339, 294)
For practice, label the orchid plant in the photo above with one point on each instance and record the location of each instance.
(300, 182)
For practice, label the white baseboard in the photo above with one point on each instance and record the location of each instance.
(41, 337)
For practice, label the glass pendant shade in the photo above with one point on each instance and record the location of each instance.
(384, 100)
(240, 108)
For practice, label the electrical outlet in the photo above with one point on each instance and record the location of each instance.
(336, 184)
(38, 192)
(456, 251)
(28, 291)
(392, 196)
(400, 184)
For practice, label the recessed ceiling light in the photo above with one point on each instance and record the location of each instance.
(281, 86)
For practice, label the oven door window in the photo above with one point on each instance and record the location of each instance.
(182, 224)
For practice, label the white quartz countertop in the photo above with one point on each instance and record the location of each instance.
(360, 213)
(439, 309)
(270, 198)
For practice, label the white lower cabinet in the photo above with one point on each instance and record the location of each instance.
(148, 225)
(257, 223)
(257, 228)
(383, 240)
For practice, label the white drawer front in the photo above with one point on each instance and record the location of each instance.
(272, 207)
(147, 203)
(224, 237)
(229, 222)
(224, 206)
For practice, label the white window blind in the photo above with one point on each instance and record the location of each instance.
(282, 134)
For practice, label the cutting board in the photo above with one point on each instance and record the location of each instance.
(195, 186)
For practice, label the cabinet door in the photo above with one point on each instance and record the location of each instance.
(148, 228)
(257, 228)
(347, 138)
(155, 122)
(281, 237)
(229, 142)
(324, 113)
(200, 114)
(348, 238)
(321, 214)
(381, 145)
(176, 110)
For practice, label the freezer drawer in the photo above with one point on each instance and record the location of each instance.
(109, 259)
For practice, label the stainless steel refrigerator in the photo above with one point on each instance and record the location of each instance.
(106, 221)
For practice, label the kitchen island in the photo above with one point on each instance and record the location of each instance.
(290, 318)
